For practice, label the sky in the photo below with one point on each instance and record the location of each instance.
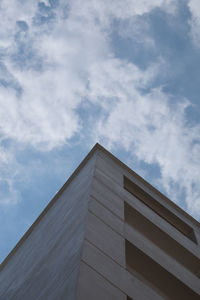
(125, 74)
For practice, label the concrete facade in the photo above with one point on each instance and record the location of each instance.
(106, 235)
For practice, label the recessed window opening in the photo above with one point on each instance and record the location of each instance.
(153, 274)
(161, 239)
(158, 208)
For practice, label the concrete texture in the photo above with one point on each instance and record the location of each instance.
(91, 241)
(101, 289)
(47, 263)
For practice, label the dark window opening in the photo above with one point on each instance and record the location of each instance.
(153, 274)
(158, 208)
(161, 239)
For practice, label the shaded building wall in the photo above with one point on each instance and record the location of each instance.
(110, 236)
(47, 263)
(130, 251)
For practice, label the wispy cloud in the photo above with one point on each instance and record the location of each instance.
(194, 6)
(8, 192)
(56, 58)
(148, 127)
(48, 56)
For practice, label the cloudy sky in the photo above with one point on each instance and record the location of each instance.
(73, 72)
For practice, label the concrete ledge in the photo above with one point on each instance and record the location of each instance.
(93, 286)
(117, 275)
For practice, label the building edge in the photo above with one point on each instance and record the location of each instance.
(96, 147)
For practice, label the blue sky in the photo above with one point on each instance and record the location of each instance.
(72, 73)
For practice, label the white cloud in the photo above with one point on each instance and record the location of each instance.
(153, 130)
(46, 2)
(68, 60)
(9, 195)
(104, 10)
(12, 11)
(194, 6)
(44, 114)
(8, 166)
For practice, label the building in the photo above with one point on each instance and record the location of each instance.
(106, 235)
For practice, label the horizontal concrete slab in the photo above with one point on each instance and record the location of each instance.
(103, 213)
(161, 223)
(161, 257)
(107, 197)
(93, 286)
(117, 275)
(105, 238)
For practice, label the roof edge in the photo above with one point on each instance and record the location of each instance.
(147, 184)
